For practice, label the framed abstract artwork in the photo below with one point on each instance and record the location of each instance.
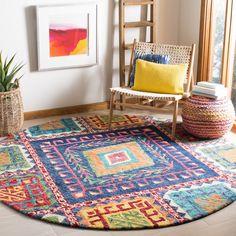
(67, 36)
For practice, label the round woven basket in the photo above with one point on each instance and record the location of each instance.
(11, 112)
(206, 117)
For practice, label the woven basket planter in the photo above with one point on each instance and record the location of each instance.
(208, 118)
(11, 112)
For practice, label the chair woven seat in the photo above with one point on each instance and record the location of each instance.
(146, 95)
(177, 55)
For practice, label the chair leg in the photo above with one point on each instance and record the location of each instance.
(122, 99)
(111, 109)
(176, 106)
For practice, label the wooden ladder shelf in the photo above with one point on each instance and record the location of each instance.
(152, 23)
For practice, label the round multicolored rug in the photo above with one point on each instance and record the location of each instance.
(75, 172)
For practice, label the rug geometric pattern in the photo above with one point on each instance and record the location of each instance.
(76, 172)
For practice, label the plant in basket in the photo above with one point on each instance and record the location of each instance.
(11, 106)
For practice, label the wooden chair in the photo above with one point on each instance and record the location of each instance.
(178, 55)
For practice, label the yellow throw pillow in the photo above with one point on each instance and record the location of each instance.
(159, 78)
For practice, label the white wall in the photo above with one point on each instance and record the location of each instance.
(57, 88)
(177, 23)
(168, 21)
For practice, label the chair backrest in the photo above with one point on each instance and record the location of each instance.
(177, 55)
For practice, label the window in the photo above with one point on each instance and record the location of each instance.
(218, 25)
(217, 53)
(216, 36)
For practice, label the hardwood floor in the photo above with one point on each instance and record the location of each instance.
(221, 223)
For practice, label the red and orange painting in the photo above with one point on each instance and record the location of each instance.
(66, 40)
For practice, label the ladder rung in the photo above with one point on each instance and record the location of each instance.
(138, 24)
(129, 46)
(138, 2)
(126, 69)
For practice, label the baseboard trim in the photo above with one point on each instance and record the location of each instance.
(234, 127)
(65, 110)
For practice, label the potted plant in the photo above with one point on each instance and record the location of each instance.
(11, 106)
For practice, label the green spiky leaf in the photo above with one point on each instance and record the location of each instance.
(10, 86)
(8, 79)
(3, 74)
(2, 89)
(8, 71)
(7, 64)
(1, 58)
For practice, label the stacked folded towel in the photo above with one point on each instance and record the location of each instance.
(211, 90)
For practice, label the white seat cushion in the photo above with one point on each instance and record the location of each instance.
(147, 95)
